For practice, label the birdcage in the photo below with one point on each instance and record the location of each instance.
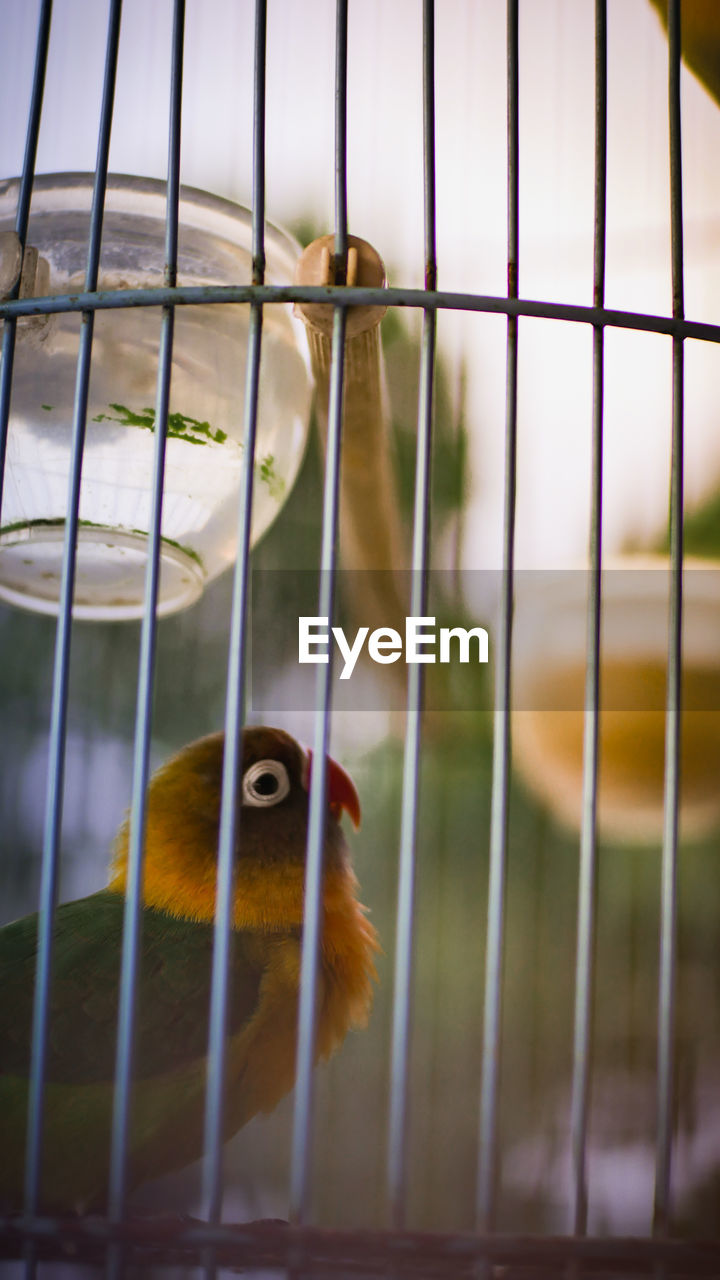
(536, 1092)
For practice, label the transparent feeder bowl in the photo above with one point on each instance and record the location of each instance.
(206, 419)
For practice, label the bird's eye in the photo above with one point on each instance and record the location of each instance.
(265, 783)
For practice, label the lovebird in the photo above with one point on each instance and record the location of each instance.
(183, 813)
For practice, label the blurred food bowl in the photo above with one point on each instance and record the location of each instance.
(550, 638)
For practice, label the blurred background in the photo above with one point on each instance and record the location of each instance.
(556, 257)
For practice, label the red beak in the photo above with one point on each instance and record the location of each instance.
(341, 791)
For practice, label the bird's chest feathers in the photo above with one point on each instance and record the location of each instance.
(262, 1055)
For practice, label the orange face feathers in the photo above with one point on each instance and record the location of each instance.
(180, 866)
(183, 825)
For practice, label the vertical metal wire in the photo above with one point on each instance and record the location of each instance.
(230, 823)
(258, 207)
(58, 716)
(668, 913)
(341, 214)
(307, 1010)
(402, 987)
(492, 1021)
(422, 526)
(585, 957)
(21, 220)
(132, 919)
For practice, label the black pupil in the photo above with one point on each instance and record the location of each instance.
(266, 785)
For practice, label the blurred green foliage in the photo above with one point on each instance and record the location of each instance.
(449, 467)
(701, 530)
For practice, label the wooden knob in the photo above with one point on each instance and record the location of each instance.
(318, 266)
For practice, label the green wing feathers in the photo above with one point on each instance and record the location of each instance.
(172, 1000)
(171, 1035)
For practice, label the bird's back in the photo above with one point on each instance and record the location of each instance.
(171, 1036)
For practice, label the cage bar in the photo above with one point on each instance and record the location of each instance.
(422, 1255)
(58, 720)
(230, 827)
(21, 220)
(307, 1009)
(341, 209)
(300, 1164)
(500, 794)
(587, 890)
(132, 921)
(360, 296)
(398, 1119)
(673, 720)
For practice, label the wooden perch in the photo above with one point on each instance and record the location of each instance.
(371, 536)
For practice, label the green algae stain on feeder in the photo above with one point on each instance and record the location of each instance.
(204, 439)
(179, 426)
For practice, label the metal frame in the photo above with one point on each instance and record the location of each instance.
(367, 1252)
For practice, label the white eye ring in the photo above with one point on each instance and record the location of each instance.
(265, 783)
